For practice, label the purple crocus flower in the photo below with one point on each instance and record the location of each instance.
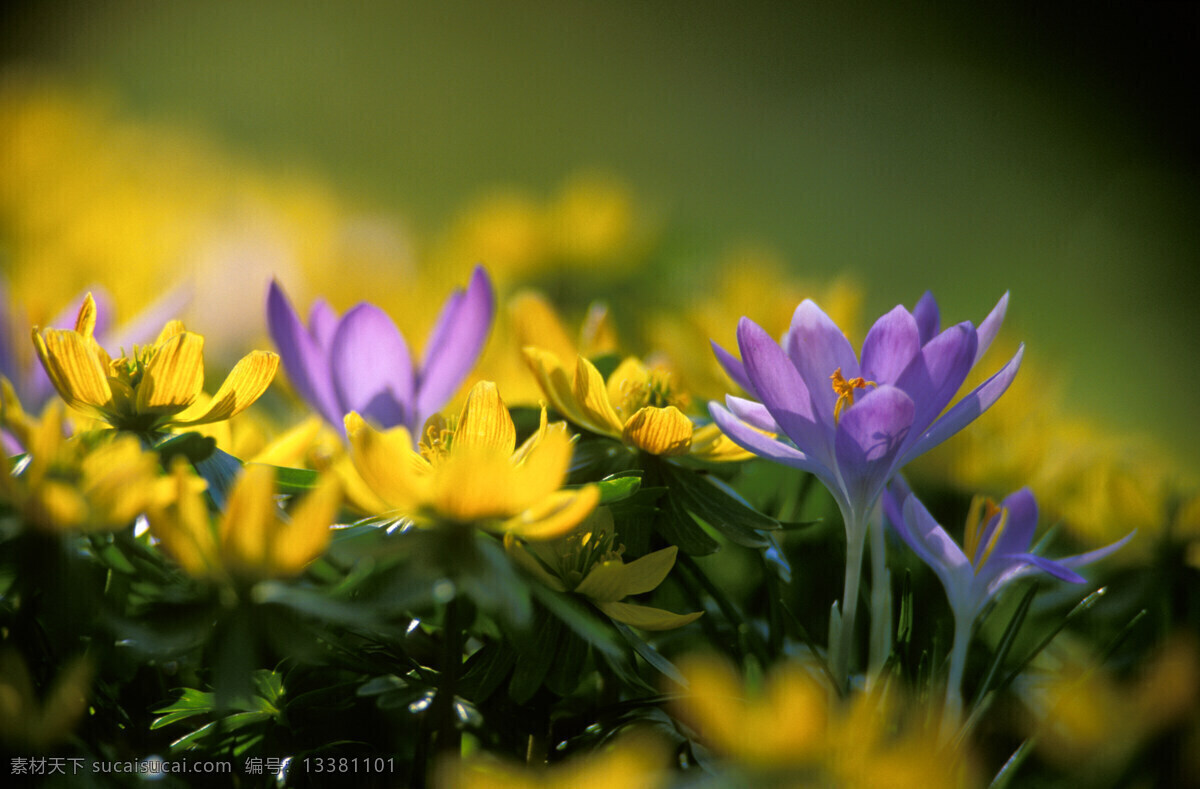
(996, 543)
(362, 363)
(855, 423)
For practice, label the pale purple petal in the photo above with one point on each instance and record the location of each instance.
(935, 547)
(990, 326)
(937, 373)
(928, 317)
(145, 326)
(1094, 556)
(751, 440)
(1055, 568)
(782, 390)
(752, 413)
(891, 345)
(322, 324)
(454, 346)
(372, 369)
(967, 409)
(734, 368)
(1022, 522)
(817, 347)
(306, 366)
(868, 442)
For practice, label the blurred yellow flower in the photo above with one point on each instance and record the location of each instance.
(470, 470)
(153, 388)
(253, 539)
(587, 562)
(789, 733)
(635, 761)
(73, 483)
(32, 725)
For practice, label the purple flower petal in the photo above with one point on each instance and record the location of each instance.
(967, 409)
(928, 318)
(869, 438)
(1094, 556)
(372, 369)
(890, 345)
(322, 324)
(455, 345)
(752, 413)
(751, 440)
(1022, 522)
(990, 326)
(817, 347)
(144, 326)
(734, 368)
(935, 547)
(935, 375)
(1055, 568)
(782, 390)
(306, 365)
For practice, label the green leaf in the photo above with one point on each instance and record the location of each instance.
(569, 667)
(678, 528)
(619, 487)
(579, 618)
(490, 581)
(219, 470)
(485, 670)
(1006, 642)
(650, 654)
(717, 505)
(192, 446)
(535, 656)
(295, 480)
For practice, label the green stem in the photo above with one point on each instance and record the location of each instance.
(952, 710)
(881, 598)
(844, 644)
(449, 739)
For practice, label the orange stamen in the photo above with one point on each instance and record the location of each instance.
(845, 391)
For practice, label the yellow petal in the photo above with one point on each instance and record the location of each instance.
(290, 448)
(485, 423)
(475, 484)
(73, 369)
(555, 515)
(555, 382)
(543, 469)
(387, 463)
(249, 520)
(644, 617)
(615, 580)
(659, 431)
(597, 335)
(183, 528)
(296, 544)
(535, 438)
(630, 376)
(246, 382)
(592, 397)
(85, 322)
(536, 323)
(169, 330)
(173, 376)
(709, 443)
(118, 481)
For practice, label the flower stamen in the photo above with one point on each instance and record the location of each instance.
(977, 527)
(845, 391)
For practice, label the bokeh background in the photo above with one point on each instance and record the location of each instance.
(963, 148)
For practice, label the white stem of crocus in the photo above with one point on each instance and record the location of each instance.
(855, 537)
(952, 711)
(881, 598)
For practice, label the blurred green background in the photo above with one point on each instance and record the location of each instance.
(967, 150)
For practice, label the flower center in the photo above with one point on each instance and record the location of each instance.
(656, 391)
(584, 551)
(981, 513)
(439, 435)
(845, 391)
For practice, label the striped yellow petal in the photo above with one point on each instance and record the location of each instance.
(592, 397)
(246, 382)
(529, 444)
(709, 443)
(615, 580)
(294, 545)
(169, 330)
(554, 515)
(387, 463)
(542, 471)
(173, 376)
(659, 431)
(630, 376)
(73, 369)
(485, 423)
(249, 519)
(555, 382)
(644, 617)
(85, 322)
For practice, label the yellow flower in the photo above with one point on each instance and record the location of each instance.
(635, 761)
(790, 729)
(69, 483)
(638, 406)
(467, 471)
(253, 540)
(27, 724)
(155, 386)
(586, 562)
